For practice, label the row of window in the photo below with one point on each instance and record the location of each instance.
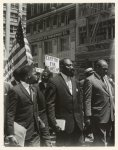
(63, 45)
(52, 21)
(105, 30)
(38, 9)
(92, 8)
(14, 16)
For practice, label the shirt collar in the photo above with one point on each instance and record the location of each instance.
(66, 78)
(25, 84)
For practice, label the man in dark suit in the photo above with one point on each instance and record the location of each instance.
(63, 102)
(22, 114)
(99, 104)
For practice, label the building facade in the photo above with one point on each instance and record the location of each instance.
(82, 32)
(96, 34)
(51, 30)
(10, 23)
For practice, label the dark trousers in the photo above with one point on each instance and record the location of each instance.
(102, 133)
(70, 139)
(33, 141)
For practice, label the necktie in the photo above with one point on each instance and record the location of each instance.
(31, 92)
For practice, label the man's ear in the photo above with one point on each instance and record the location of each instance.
(27, 79)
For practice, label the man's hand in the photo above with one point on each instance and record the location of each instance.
(87, 122)
(13, 141)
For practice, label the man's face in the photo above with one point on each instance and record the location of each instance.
(45, 77)
(103, 69)
(68, 68)
(33, 77)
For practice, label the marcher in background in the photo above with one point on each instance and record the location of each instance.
(45, 139)
(88, 136)
(99, 104)
(45, 76)
(64, 103)
(22, 116)
(87, 73)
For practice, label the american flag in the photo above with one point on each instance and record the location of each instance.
(20, 53)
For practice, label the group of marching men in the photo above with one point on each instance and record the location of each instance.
(32, 108)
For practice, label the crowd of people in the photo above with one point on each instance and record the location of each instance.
(73, 110)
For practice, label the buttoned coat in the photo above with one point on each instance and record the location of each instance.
(97, 102)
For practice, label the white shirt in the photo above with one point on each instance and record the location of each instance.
(26, 86)
(68, 82)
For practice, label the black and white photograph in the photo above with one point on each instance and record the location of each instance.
(59, 74)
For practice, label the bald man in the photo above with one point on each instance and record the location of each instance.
(99, 104)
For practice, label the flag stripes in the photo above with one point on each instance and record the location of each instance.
(20, 53)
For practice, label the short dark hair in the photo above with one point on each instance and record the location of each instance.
(24, 72)
(16, 74)
(49, 73)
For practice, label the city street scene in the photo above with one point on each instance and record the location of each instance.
(59, 74)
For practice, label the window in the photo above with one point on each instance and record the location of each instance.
(24, 8)
(14, 17)
(4, 14)
(62, 18)
(4, 28)
(4, 40)
(32, 10)
(11, 41)
(46, 7)
(72, 14)
(13, 28)
(40, 26)
(35, 27)
(48, 22)
(55, 20)
(48, 46)
(14, 6)
(34, 50)
(64, 43)
(41, 8)
(82, 35)
(5, 4)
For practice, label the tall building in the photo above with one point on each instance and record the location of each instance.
(10, 23)
(82, 32)
(51, 30)
(96, 34)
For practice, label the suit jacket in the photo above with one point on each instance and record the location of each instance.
(62, 105)
(7, 87)
(97, 102)
(23, 110)
(42, 87)
(45, 138)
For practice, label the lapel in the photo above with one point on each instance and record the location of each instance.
(25, 92)
(64, 83)
(33, 94)
(101, 83)
(73, 86)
